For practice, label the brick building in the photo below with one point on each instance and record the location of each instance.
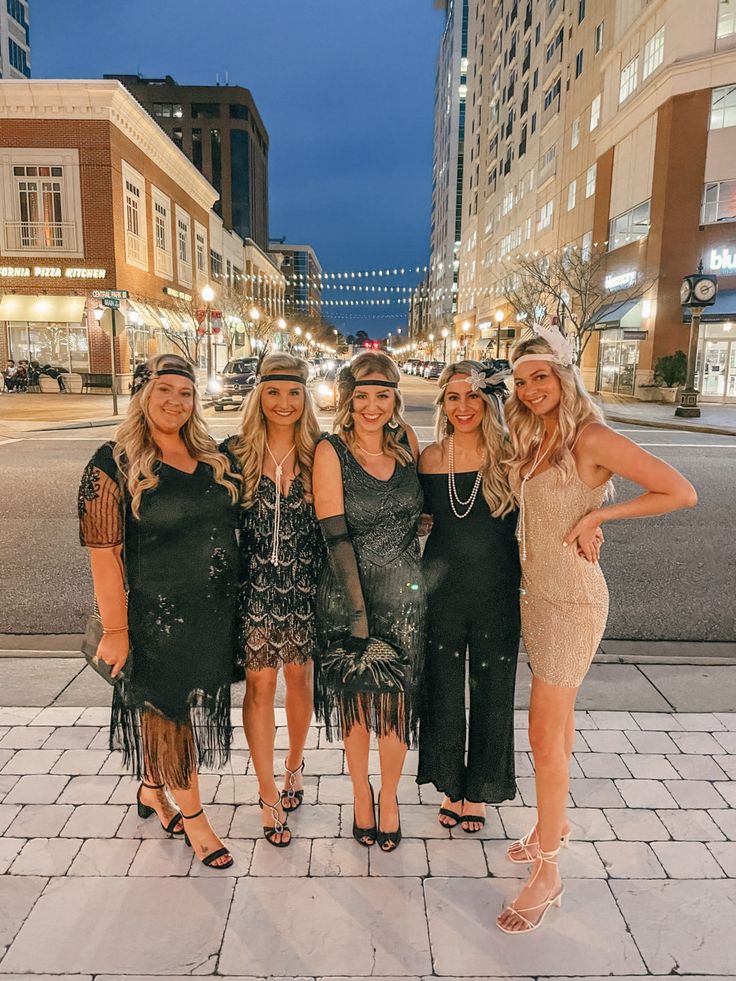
(95, 196)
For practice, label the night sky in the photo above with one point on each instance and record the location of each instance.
(345, 88)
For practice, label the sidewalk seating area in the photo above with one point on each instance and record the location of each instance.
(88, 889)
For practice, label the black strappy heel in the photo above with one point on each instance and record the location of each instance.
(208, 860)
(144, 811)
(360, 833)
(292, 795)
(449, 813)
(388, 837)
(278, 828)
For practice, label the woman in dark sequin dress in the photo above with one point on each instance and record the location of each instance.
(282, 554)
(164, 489)
(471, 563)
(368, 499)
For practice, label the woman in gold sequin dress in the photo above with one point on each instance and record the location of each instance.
(563, 457)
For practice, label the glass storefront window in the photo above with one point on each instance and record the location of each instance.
(717, 353)
(59, 345)
(617, 361)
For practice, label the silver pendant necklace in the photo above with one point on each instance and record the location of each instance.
(455, 498)
(279, 468)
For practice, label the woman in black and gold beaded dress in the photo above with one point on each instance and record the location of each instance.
(368, 500)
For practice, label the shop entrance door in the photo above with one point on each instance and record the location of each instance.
(617, 363)
(718, 382)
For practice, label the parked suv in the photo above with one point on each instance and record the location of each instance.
(233, 383)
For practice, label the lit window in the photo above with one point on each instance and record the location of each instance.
(719, 202)
(571, 193)
(598, 43)
(629, 227)
(723, 107)
(653, 53)
(545, 216)
(595, 112)
(726, 18)
(587, 246)
(590, 181)
(629, 79)
(575, 138)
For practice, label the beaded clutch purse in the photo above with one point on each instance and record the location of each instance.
(352, 666)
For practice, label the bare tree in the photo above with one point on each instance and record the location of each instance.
(186, 338)
(571, 285)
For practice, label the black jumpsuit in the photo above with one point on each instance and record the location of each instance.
(471, 568)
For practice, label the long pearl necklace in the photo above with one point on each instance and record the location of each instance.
(279, 469)
(452, 488)
(521, 523)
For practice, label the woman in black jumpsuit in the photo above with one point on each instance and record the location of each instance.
(472, 573)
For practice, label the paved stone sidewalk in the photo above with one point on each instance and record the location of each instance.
(86, 888)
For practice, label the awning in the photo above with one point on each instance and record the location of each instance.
(614, 313)
(146, 315)
(42, 309)
(723, 309)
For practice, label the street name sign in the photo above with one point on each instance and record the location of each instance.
(110, 294)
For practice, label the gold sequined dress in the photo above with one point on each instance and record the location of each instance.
(564, 598)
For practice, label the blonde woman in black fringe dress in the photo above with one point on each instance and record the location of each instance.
(164, 489)
(368, 499)
(282, 554)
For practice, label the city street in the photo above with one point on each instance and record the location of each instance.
(669, 577)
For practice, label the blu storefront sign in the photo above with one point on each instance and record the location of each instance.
(721, 260)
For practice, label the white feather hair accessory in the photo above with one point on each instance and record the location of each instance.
(563, 352)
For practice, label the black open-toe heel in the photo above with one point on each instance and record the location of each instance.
(278, 827)
(208, 860)
(385, 838)
(472, 819)
(144, 811)
(449, 813)
(292, 795)
(371, 833)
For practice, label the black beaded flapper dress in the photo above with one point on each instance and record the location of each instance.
(471, 567)
(181, 562)
(382, 520)
(278, 598)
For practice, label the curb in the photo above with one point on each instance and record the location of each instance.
(651, 424)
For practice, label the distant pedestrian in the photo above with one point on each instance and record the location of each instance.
(158, 509)
(562, 458)
(471, 565)
(9, 375)
(282, 555)
(371, 603)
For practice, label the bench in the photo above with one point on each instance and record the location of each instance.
(96, 381)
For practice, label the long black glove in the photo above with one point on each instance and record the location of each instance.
(345, 569)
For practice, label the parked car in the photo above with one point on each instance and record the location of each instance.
(433, 369)
(233, 383)
(410, 366)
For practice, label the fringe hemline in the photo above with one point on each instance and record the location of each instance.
(169, 751)
(382, 713)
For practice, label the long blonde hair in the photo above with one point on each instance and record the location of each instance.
(526, 430)
(249, 447)
(372, 363)
(136, 451)
(495, 482)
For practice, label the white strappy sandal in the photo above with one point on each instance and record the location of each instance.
(555, 900)
(525, 844)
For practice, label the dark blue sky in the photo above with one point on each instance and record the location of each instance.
(345, 88)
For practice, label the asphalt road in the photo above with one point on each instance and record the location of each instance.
(670, 578)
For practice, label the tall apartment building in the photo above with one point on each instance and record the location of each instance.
(447, 165)
(220, 130)
(605, 124)
(301, 269)
(15, 41)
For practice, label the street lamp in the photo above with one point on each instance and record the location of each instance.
(499, 321)
(445, 332)
(431, 345)
(208, 295)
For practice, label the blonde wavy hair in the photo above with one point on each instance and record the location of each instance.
(495, 481)
(136, 451)
(249, 447)
(527, 430)
(372, 363)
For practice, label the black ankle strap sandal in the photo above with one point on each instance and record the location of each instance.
(278, 828)
(291, 795)
(145, 812)
(208, 860)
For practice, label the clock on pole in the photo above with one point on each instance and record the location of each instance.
(696, 292)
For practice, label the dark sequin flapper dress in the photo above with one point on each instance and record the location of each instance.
(382, 520)
(181, 560)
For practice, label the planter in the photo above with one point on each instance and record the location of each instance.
(649, 393)
(670, 394)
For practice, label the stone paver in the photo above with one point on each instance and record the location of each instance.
(101, 857)
(17, 898)
(687, 860)
(46, 856)
(630, 860)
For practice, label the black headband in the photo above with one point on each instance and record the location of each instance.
(379, 384)
(281, 378)
(189, 375)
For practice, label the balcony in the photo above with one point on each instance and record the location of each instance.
(39, 236)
